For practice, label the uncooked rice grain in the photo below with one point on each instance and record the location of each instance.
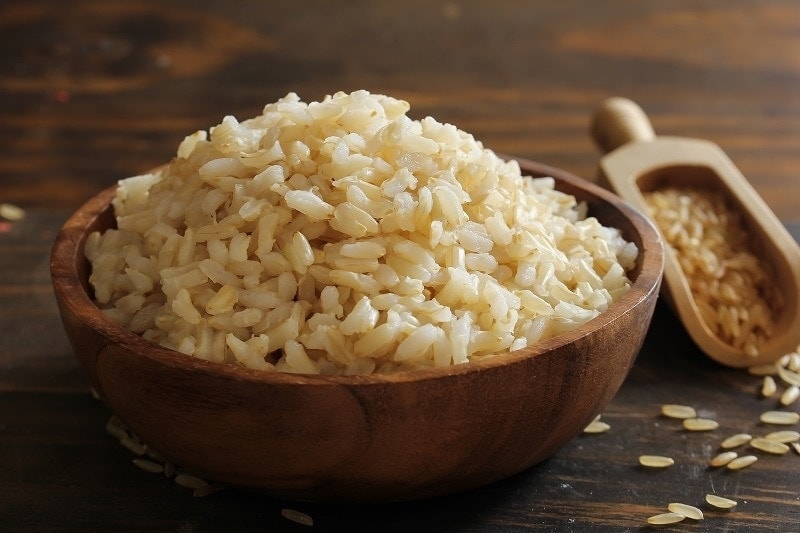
(785, 436)
(720, 502)
(678, 411)
(189, 481)
(596, 426)
(665, 518)
(769, 446)
(787, 418)
(342, 237)
(700, 424)
(790, 395)
(768, 387)
(742, 462)
(297, 517)
(734, 291)
(689, 511)
(723, 459)
(656, 461)
(11, 212)
(149, 466)
(736, 440)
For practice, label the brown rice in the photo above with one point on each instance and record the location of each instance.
(341, 236)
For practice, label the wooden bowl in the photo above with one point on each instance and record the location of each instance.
(400, 436)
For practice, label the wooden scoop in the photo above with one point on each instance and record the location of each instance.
(638, 162)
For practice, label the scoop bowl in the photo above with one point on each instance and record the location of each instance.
(385, 437)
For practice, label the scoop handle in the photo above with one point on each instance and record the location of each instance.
(619, 121)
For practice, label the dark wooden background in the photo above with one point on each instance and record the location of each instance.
(92, 91)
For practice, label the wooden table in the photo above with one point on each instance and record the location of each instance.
(93, 91)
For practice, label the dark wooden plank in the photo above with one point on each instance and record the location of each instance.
(79, 477)
(100, 93)
(103, 90)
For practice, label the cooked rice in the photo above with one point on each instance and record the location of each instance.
(790, 395)
(343, 237)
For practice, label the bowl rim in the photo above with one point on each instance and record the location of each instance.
(70, 292)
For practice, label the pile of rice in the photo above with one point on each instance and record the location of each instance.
(343, 237)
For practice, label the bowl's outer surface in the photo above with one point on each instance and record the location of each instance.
(362, 438)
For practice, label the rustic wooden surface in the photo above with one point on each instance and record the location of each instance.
(93, 91)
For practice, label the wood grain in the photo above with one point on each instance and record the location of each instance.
(94, 91)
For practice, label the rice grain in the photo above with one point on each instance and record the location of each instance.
(688, 511)
(678, 411)
(700, 424)
(786, 418)
(742, 462)
(769, 446)
(665, 518)
(656, 461)
(189, 481)
(720, 502)
(790, 395)
(735, 441)
(149, 466)
(768, 387)
(786, 436)
(723, 459)
(297, 517)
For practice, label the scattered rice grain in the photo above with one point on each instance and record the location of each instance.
(785, 418)
(790, 395)
(189, 481)
(768, 387)
(11, 212)
(769, 446)
(723, 459)
(720, 502)
(656, 461)
(742, 462)
(678, 411)
(665, 518)
(736, 440)
(689, 511)
(596, 426)
(297, 517)
(700, 424)
(149, 466)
